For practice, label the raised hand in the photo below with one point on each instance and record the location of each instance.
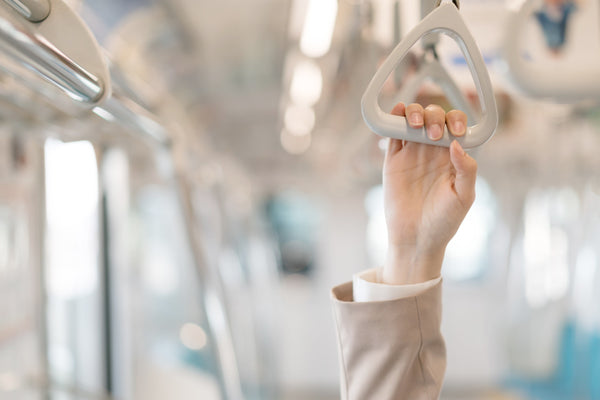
(428, 191)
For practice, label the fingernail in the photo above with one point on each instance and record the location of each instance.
(435, 132)
(416, 119)
(458, 127)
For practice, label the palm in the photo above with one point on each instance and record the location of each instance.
(428, 191)
(423, 209)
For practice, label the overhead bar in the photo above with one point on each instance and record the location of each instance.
(134, 117)
(40, 56)
(43, 47)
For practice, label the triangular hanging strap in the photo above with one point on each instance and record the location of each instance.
(444, 19)
(432, 70)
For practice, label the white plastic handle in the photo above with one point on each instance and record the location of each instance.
(434, 71)
(578, 81)
(444, 19)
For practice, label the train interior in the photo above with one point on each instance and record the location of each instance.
(182, 182)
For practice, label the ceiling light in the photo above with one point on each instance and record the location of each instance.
(297, 17)
(318, 27)
(299, 120)
(295, 144)
(307, 83)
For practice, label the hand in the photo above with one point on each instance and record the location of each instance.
(427, 193)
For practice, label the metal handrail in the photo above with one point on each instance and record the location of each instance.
(133, 116)
(39, 55)
(33, 10)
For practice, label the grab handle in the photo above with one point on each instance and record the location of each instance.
(444, 19)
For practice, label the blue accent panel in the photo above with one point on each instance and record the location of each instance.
(460, 60)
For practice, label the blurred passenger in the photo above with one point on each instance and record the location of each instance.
(388, 319)
(553, 18)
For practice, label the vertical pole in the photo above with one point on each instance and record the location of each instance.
(428, 6)
(397, 22)
(229, 379)
(106, 298)
(105, 279)
(37, 234)
(399, 72)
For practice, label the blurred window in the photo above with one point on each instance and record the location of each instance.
(72, 264)
(469, 252)
(546, 217)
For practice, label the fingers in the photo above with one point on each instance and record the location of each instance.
(414, 115)
(466, 173)
(456, 121)
(399, 109)
(395, 145)
(435, 118)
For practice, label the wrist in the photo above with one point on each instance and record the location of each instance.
(404, 266)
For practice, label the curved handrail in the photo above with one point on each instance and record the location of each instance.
(445, 19)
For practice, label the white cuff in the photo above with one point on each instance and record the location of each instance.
(367, 287)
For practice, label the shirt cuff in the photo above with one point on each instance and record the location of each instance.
(367, 286)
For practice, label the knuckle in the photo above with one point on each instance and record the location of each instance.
(435, 115)
(435, 108)
(456, 114)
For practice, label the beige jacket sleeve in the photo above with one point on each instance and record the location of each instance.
(390, 349)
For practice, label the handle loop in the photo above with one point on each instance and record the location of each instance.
(444, 19)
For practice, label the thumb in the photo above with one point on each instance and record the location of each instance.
(466, 173)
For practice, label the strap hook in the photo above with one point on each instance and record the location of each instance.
(456, 3)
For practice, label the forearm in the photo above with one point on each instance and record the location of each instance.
(393, 349)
